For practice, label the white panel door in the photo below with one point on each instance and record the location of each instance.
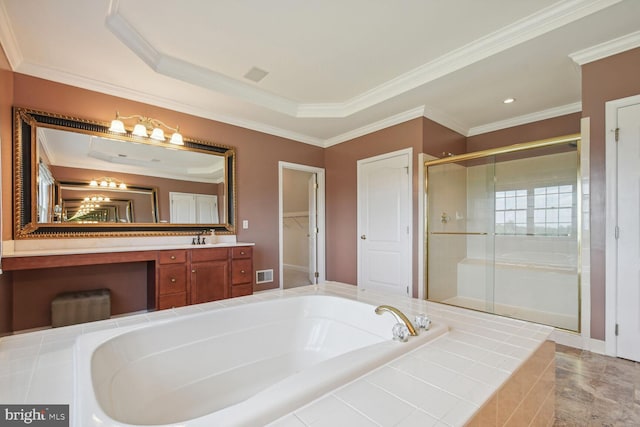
(628, 277)
(183, 208)
(206, 209)
(313, 228)
(384, 190)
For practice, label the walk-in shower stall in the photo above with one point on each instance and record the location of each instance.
(503, 231)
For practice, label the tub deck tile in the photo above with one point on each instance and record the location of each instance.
(475, 358)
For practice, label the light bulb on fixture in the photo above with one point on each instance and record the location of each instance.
(147, 128)
(116, 125)
(157, 134)
(108, 183)
(176, 138)
(140, 130)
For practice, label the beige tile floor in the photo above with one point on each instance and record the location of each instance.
(295, 278)
(596, 390)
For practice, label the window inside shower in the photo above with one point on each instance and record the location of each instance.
(503, 232)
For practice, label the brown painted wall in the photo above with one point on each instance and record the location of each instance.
(36, 289)
(341, 192)
(6, 98)
(257, 161)
(258, 156)
(611, 78)
(437, 139)
(423, 135)
(557, 126)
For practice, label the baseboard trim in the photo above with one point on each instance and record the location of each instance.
(577, 341)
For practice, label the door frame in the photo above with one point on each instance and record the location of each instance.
(404, 152)
(320, 173)
(611, 212)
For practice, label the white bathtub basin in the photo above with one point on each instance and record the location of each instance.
(245, 365)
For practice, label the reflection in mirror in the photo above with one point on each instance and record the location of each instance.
(82, 203)
(65, 166)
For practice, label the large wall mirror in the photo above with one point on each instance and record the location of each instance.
(76, 178)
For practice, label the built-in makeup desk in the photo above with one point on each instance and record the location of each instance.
(139, 278)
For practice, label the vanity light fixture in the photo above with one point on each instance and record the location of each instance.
(97, 198)
(107, 183)
(509, 101)
(146, 125)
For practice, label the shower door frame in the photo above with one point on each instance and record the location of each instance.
(524, 146)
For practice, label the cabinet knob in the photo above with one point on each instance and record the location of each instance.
(242, 271)
(193, 271)
(173, 280)
(173, 257)
(241, 252)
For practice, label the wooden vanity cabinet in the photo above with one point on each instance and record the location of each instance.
(172, 279)
(209, 274)
(192, 276)
(241, 271)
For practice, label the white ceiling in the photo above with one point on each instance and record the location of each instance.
(336, 69)
(78, 150)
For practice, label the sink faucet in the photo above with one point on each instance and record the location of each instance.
(400, 317)
(201, 239)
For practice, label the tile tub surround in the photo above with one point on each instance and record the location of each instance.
(443, 383)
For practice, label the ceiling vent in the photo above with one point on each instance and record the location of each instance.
(256, 74)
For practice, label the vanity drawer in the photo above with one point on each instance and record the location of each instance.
(209, 254)
(241, 290)
(172, 257)
(172, 279)
(173, 300)
(241, 271)
(241, 252)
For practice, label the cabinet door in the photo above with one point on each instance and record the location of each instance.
(209, 281)
(172, 279)
(241, 271)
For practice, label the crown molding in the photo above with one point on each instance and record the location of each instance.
(133, 95)
(128, 35)
(446, 120)
(606, 49)
(422, 111)
(188, 72)
(376, 126)
(525, 29)
(8, 39)
(526, 119)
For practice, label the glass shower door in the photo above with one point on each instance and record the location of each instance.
(460, 227)
(503, 231)
(536, 236)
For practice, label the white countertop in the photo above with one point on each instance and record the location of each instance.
(45, 247)
(442, 383)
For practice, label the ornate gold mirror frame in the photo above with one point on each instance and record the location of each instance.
(26, 175)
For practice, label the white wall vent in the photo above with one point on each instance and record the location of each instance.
(264, 276)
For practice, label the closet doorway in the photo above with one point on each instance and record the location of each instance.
(301, 225)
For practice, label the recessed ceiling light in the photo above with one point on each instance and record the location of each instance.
(509, 100)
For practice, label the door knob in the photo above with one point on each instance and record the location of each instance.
(363, 237)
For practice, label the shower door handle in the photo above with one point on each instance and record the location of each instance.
(363, 237)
